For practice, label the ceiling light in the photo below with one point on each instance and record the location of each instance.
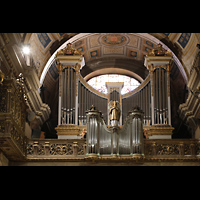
(26, 50)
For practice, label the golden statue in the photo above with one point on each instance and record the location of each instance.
(68, 51)
(160, 51)
(83, 132)
(114, 112)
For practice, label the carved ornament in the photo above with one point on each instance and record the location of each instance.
(160, 51)
(68, 50)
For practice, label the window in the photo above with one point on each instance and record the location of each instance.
(99, 82)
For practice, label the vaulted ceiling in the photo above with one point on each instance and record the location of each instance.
(114, 50)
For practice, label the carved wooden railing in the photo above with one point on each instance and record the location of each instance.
(171, 150)
(49, 149)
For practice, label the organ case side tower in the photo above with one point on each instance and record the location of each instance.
(69, 62)
(159, 63)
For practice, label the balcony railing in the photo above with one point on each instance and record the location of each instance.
(56, 149)
(154, 150)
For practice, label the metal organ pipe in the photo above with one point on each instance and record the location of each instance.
(163, 96)
(65, 95)
(157, 101)
(62, 98)
(82, 104)
(68, 96)
(149, 98)
(72, 97)
(160, 97)
(101, 140)
(142, 99)
(86, 99)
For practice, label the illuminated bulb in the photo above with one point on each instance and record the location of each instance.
(26, 50)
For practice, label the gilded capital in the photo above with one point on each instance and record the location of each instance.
(77, 67)
(59, 66)
(151, 68)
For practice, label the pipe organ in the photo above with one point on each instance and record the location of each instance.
(114, 141)
(68, 89)
(160, 96)
(159, 63)
(152, 96)
(88, 98)
(141, 97)
(115, 96)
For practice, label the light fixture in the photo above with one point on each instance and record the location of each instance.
(26, 50)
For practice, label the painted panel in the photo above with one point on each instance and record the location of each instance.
(184, 39)
(44, 39)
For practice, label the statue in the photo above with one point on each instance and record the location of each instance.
(114, 112)
(160, 51)
(68, 50)
(83, 132)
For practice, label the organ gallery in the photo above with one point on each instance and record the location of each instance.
(103, 98)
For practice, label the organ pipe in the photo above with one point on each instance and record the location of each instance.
(160, 97)
(101, 140)
(142, 99)
(163, 96)
(68, 96)
(86, 99)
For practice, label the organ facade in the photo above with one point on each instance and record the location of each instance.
(86, 126)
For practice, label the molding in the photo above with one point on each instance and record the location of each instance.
(14, 59)
(190, 110)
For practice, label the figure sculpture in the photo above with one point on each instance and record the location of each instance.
(114, 112)
(68, 50)
(159, 51)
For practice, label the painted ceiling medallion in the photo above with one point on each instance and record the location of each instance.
(114, 39)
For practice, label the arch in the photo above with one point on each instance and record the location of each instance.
(111, 70)
(151, 40)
